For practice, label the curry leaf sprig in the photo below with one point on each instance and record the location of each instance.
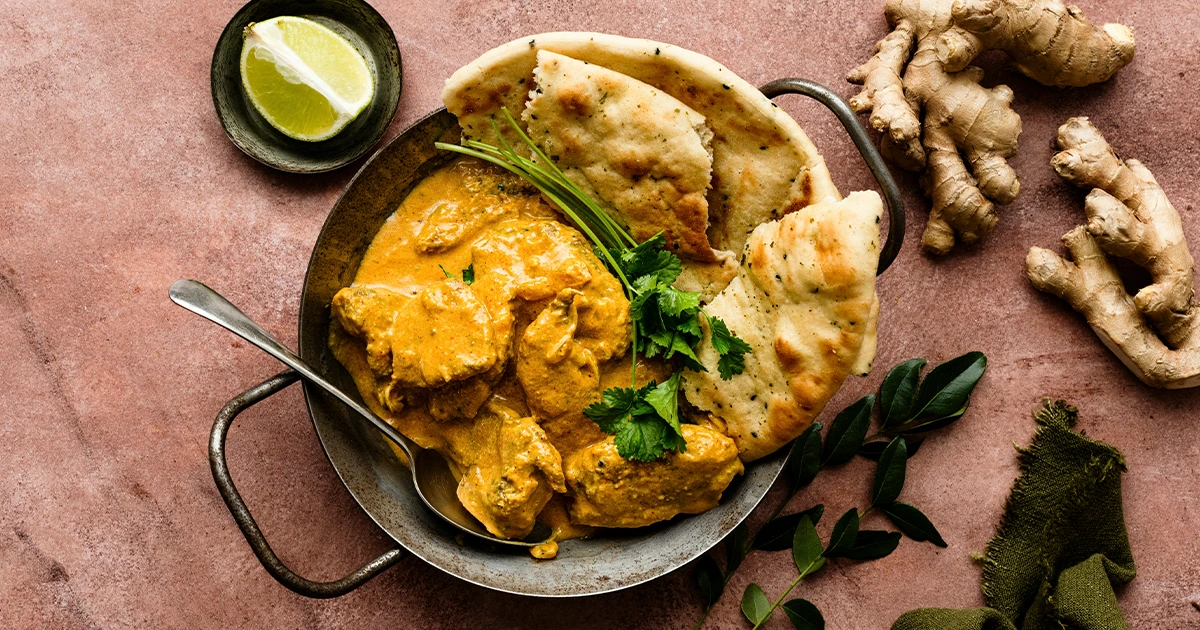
(907, 406)
(666, 321)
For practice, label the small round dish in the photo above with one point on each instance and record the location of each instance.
(365, 29)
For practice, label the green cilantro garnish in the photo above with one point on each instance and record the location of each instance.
(665, 317)
(645, 421)
(731, 348)
(468, 274)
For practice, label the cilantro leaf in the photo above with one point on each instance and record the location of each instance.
(645, 290)
(645, 421)
(664, 399)
(680, 346)
(651, 258)
(641, 439)
(448, 274)
(616, 404)
(731, 348)
(730, 364)
(691, 328)
(468, 274)
(674, 302)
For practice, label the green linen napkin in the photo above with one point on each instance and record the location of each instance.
(1061, 545)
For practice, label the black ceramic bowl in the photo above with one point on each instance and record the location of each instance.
(357, 22)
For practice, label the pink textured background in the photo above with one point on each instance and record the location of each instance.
(116, 179)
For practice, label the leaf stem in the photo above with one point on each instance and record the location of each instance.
(876, 434)
(779, 508)
(776, 603)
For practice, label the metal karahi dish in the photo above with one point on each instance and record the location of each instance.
(378, 480)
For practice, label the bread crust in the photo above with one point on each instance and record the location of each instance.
(804, 299)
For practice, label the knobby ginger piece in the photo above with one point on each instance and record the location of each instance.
(921, 76)
(1154, 333)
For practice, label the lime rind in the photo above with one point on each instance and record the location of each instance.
(278, 76)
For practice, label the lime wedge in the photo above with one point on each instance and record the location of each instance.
(306, 80)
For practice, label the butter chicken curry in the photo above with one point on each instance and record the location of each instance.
(495, 374)
(483, 325)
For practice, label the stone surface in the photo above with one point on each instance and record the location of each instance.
(116, 179)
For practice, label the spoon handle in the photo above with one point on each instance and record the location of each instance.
(203, 301)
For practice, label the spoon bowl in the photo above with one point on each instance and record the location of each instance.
(436, 485)
(431, 474)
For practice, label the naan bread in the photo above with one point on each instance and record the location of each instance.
(804, 299)
(763, 164)
(708, 278)
(638, 150)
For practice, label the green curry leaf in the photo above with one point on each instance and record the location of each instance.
(709, 579)
(755, 605)
(874, 450)
(889, 476)
(804, 462)
(913, 523)
(804, 615)
(806, 547)
(898, 392)
(779, 533)
(936, 423)
(947, 387)
(848, 431)
(872, 544)
(736, 546)
(845, 531)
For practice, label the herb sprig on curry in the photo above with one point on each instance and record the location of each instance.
(623, 292)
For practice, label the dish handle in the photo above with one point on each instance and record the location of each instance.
(849, 120)
(245, 522)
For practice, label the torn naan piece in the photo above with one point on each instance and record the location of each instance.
(804, 299)
(763, 164)
(645, 156)
(707, 278)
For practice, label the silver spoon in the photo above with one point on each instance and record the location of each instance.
(431, 474)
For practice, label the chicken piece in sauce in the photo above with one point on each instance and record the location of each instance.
(610, 491)
(440, 336)
(526, 262)
(515, 472)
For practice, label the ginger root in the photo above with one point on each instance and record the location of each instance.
(1154, 333)
(1048, 41)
